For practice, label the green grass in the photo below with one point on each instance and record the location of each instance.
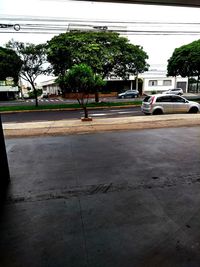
(66, 106)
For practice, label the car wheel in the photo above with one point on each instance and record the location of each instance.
(193, 110)
(158, 111)
(133, 96)
(123, 96)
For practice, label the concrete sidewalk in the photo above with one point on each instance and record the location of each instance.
(48, 128)
(112, 199)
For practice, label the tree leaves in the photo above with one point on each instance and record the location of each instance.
(185, 60)
(106, 53)
(10, 64)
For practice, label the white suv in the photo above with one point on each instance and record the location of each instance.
(160, 104)
(175, 91)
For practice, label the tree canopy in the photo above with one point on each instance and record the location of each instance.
(185, 60)
(106, 53)
(10, 64)
(81, 79)
(33, 58)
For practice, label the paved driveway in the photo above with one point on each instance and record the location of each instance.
(128, 198)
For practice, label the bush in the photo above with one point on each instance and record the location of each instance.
(31, 93)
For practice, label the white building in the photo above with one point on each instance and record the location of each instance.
(161, 84)
(156, 80)
(50, 87)
(8, 90)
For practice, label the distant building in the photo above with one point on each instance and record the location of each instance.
(50, 88)
(8, 90)
(161, 84)
(151, 81)
(156, 80)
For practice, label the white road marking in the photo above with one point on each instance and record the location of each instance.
(125, 112)
(98, 114)
(115, 110)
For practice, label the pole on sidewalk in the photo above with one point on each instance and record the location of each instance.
(5, 175)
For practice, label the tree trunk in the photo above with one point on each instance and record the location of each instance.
(85, 111)
(35, 94)
(197, 89)
(97, 97)
(22, 95)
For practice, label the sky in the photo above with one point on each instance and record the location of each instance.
(158, 47)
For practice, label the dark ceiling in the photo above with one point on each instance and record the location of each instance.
(187, 3)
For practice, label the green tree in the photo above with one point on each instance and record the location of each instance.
(10, 64)
(185, 61)
(34, 62)
(106, 53)
(81, 79)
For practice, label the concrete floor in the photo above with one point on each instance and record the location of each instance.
(128, 199)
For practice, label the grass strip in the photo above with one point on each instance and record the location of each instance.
(65, 106)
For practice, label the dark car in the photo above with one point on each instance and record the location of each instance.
(129, 94)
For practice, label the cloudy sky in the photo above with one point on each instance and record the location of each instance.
(158, 47)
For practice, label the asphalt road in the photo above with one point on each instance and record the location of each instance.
(69, 114)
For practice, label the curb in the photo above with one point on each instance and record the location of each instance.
(66, 127)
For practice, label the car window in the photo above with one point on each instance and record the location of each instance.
(147, 99)
(178, 99)
(164, 99)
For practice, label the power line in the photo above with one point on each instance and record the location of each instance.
(62, 19)
(51, 25)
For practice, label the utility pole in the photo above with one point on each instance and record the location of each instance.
(5, 175)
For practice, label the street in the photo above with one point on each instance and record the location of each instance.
(128, 198)
(69, 114)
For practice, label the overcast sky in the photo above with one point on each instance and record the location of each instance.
(158, 47)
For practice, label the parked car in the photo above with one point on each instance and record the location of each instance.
(175, 91)
(44, 95)
(129, 94)
(161, 104)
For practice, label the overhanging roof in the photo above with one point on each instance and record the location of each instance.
(186, 3)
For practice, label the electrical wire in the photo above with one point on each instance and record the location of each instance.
(52, 25)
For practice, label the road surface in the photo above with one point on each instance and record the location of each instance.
(68, 114)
